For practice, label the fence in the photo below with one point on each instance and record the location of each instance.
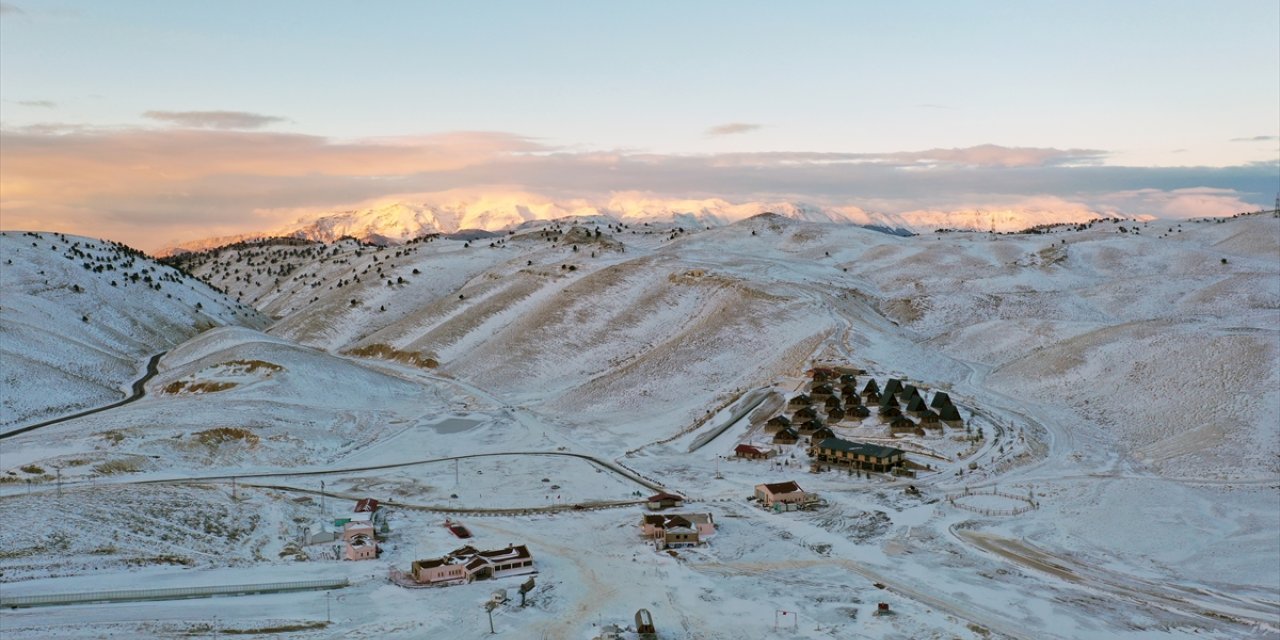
(176, 593)
(955, 501)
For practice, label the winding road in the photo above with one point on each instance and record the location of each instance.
(139, 390)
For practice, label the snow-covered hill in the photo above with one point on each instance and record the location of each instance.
(1117, 384)
(79, 315)
(397, 221)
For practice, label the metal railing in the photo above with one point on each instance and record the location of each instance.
(175, 593)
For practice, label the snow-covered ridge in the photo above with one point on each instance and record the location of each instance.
(400, 220)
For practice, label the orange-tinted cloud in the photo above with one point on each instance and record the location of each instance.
(156, 187)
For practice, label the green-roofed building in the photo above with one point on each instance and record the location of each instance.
(860, 455)
(894, 385)
(949, 413)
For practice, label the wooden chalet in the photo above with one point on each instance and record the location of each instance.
(807, 427)
(857, 411)
(871, 397)
(752, 452)
(822, 433)
(777, 422)
(786, 436)
(902, 424)
(823, 390)
(832, 402)
(800, 400)
(848, 379)
(940, 399)
(872, 385)
(804, 413)
(859, 455)
(894, 385)
(835, 415)
(949, 413)
(916, 404)
(930, 419)
(891, 411)
(888, 400)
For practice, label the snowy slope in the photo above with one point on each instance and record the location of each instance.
(80, 316)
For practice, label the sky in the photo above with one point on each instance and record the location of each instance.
(154, 122)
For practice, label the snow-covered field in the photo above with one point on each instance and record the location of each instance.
(1126, 385)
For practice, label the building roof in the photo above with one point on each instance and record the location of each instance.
(513, 552)
(751, 449)
(366, 504)
(864, 448)
(894, 385)
(789, 486)
(662, 520)
(940, 399)
(662, 497)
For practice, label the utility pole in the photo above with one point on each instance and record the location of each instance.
(327, 618)
(59, 482)
(455, 472)
(488, 607)
(322, 510)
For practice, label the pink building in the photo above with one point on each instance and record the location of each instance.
(359, 541)
(467, 564)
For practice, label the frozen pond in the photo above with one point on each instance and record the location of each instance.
(454, 425)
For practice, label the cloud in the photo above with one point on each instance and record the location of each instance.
(10, 9)
(732, 128)
(44, 104)
(151, 187)
(1191, 202)
(1256, 139)
(214, 119)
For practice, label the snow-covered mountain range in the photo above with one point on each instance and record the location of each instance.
(395, 221)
